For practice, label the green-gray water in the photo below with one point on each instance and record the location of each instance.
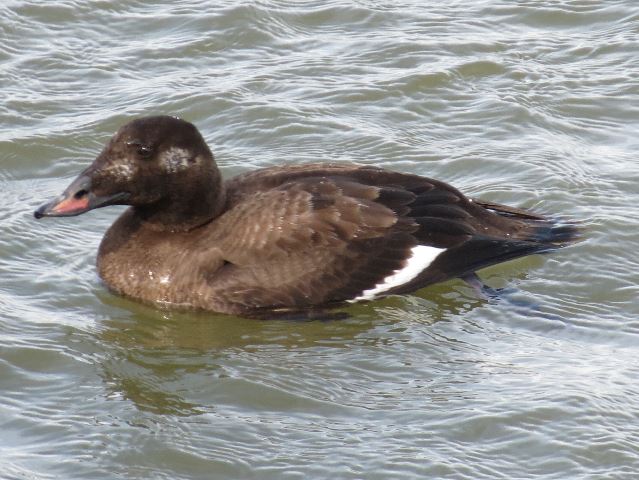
(529, 103)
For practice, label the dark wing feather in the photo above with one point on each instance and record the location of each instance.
(317, 212)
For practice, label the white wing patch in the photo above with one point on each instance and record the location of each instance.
(421, 257)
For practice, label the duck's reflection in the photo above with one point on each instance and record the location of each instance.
(158, 359)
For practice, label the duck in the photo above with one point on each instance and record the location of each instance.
(298, 237)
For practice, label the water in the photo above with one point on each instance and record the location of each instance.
(529, 103)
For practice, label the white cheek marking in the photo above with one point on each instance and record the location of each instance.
(175, 159)
(121, 170)
(421, 257)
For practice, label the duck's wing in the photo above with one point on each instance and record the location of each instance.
(312, 241)
(362, 234)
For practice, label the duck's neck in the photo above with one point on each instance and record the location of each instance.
(192, 203)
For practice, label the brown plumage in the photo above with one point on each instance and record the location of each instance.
(289, 237)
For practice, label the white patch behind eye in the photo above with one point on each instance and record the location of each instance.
(420, 259)
(176, 159)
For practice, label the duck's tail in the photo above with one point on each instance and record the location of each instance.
(536, 228)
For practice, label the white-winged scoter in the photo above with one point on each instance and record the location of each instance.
(287, 238)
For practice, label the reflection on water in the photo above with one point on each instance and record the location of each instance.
(152, 352)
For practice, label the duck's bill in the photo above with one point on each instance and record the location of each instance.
(77, 199)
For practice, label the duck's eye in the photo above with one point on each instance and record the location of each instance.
(143, 150)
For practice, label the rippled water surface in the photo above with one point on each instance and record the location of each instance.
(530, 103)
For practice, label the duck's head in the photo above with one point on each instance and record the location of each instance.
(158, 164)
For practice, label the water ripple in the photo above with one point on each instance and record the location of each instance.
(530, 103)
